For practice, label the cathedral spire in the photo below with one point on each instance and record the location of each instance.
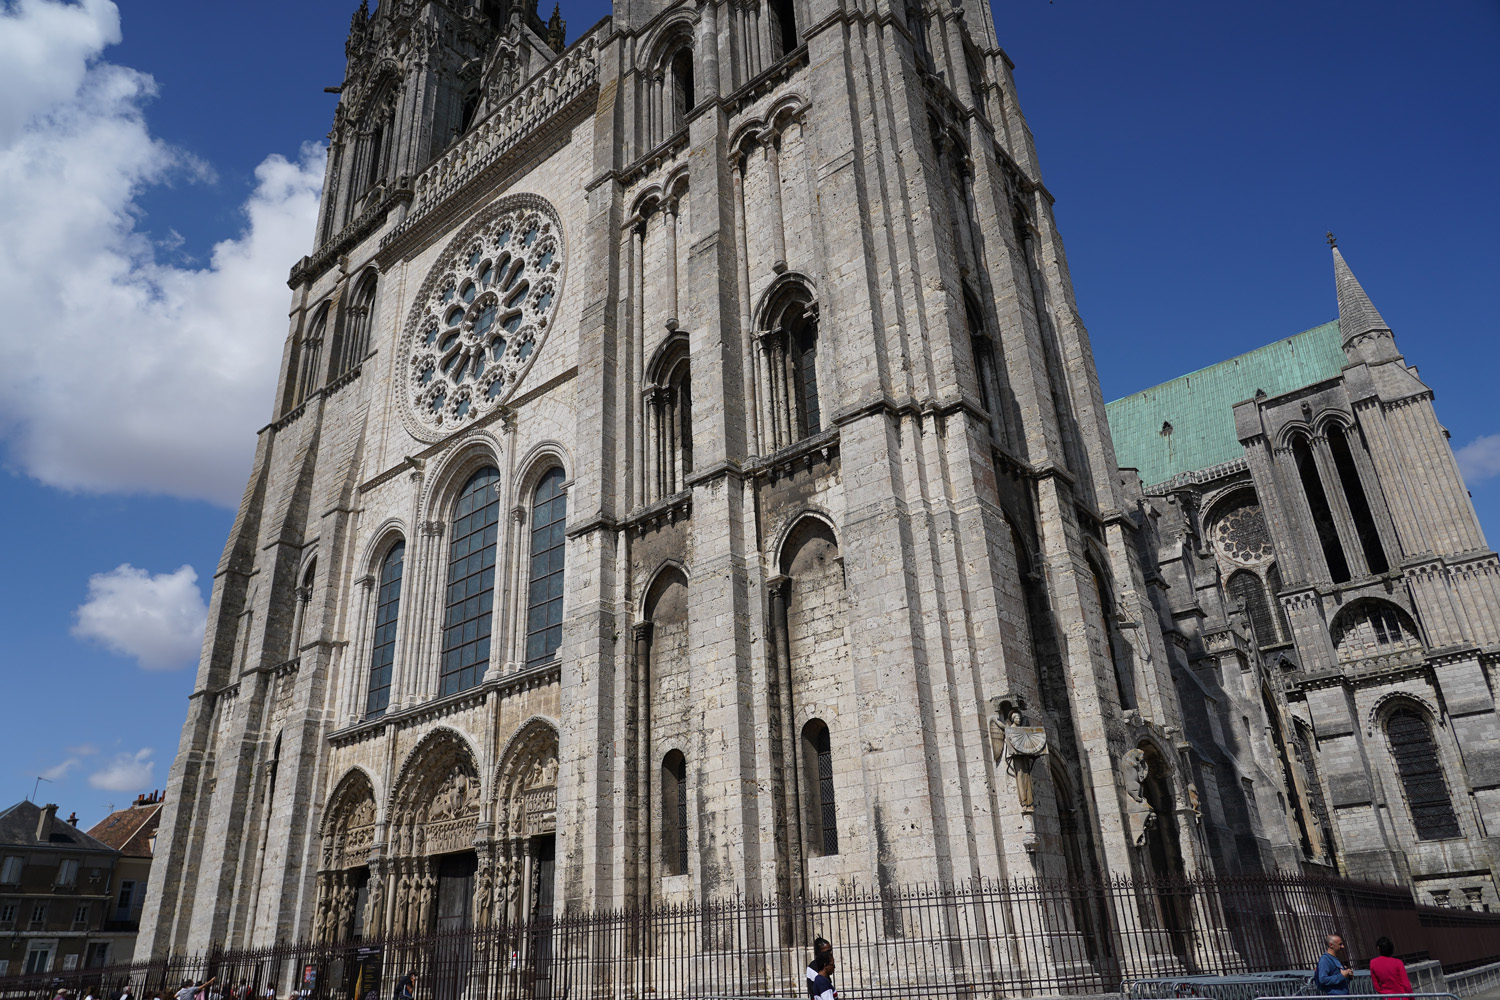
(1367, 337)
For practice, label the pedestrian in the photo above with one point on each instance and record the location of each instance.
(820, 947)
(1387, 973)
(186, 993)
(822, 984)
(1333, 973)
(407, 990)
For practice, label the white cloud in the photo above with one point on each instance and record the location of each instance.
(128, 772)
(57, 772)
(120, 372)
(1480, 459)
(156, 619)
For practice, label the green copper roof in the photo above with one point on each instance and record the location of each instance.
(1199, 407)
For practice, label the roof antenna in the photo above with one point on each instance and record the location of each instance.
(1333, 241)
(38, 784)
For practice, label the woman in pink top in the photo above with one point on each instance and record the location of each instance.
(1386, 973)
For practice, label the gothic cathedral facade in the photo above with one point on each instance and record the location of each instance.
(688, 478)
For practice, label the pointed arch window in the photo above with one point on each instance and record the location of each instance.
(383, 653)
(1421, 775)
(674, 813)
(358, 320)
(1246, 589)
(789, 345)
(304, 595)
(670, 403)
(1273, 583)
(310, 362)
(1322, 514)
(544, 610)
(683, 98)
(817, 763)
(468, 616)
(1354, 495)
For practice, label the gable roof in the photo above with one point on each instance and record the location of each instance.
(130, 831)
(18, 829)
(1187, 424)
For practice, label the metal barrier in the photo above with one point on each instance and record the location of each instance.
(1360, 996)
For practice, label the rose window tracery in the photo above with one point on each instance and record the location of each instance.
(484, 314)
(1241, 536)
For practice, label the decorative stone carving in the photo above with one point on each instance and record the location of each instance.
(1140, 817)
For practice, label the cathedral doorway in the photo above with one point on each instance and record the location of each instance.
(1164, 855)
(434, 822)
(344, 876)
(526, 825)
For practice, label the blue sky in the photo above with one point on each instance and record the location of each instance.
(158, 170)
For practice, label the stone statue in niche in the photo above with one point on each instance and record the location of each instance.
(484, 896)
(1017, 744)
(1195, 806)
(1140, 817)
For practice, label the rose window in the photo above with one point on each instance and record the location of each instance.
(1241, 535)
(484, 317)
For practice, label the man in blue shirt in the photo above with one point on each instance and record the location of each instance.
(1333, 973)
(822, 984)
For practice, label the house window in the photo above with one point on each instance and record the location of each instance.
(70, 962)
(471, 583)
(1421, 775)
(127, 897)
(67, 872)
(544, 607)
(39, 959)
(98, 955)
(81, 917)
(11, 872)
(383, 655)
(8, 913)
(38, 915)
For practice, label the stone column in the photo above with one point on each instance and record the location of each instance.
(755, 443)
(769, 143)
(780, 666)
(641, 633)
(669, 220)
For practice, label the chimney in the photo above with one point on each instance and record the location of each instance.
(44, 822)
(72, 819)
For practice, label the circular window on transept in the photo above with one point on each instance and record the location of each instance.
(483, 314)
(1240, 534)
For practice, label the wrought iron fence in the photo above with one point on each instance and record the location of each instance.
(985, 937)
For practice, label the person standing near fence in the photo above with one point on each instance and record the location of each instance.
(1333, 972)
(1387, 973)
(822, 984)
(820, 948)
(408, 988)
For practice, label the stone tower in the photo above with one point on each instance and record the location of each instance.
(705, 489)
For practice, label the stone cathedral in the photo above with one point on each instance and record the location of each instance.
(688, 478)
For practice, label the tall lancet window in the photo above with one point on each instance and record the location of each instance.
(311, 358)
(471, 584)
(358, 318)
(817, 765)
(789, 347)
(670, 402)
(544, 609)
(1421, 775)
(383, 654)
(674, 813)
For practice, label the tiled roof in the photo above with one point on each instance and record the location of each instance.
(1199, 407)
(130, 831)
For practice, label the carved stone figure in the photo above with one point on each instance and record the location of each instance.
(1194, 805)
(1140, 817)
(484, 897)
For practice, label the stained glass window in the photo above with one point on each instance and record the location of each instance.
(1421, 775)
(383, 656)
(471, 584)
(545, 599)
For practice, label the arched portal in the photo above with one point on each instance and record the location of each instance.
(434, 821)
(525, 850)
(344, 876)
